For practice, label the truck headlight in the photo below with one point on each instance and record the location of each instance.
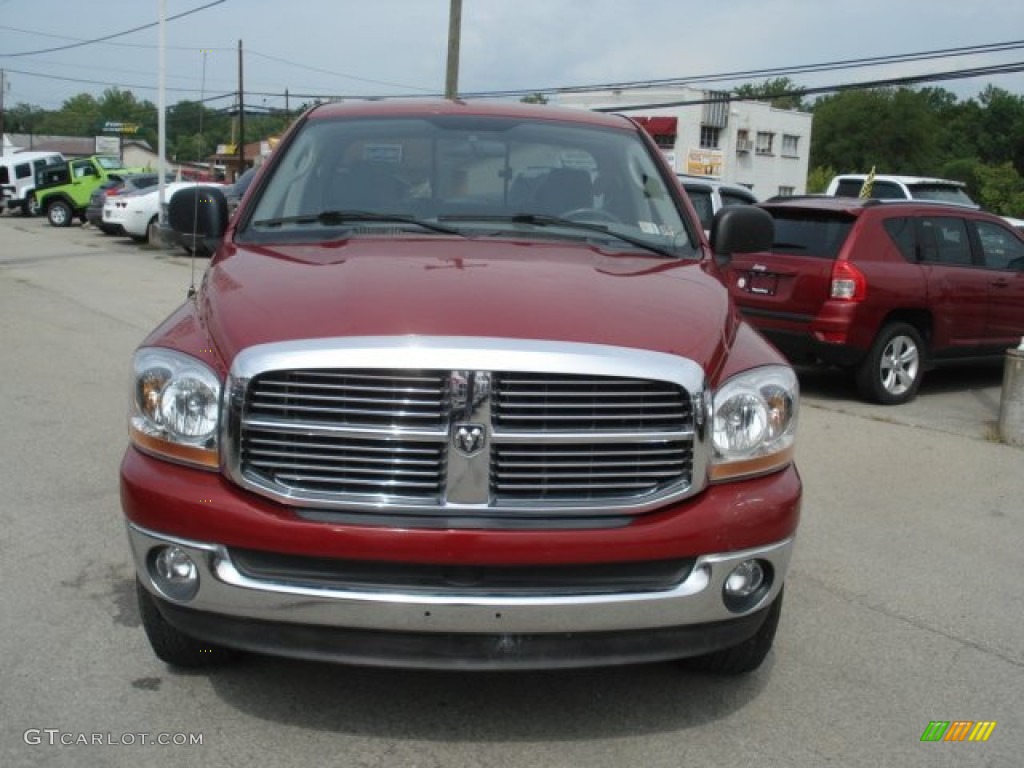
(753, 422)
(175, 409)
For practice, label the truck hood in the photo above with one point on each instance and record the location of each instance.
(431, 286)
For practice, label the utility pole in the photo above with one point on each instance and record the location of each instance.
(451, 83)
(3, 87)
(241, 115)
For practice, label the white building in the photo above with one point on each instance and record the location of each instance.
(704, 133)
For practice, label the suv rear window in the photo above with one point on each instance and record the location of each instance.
(808, 233)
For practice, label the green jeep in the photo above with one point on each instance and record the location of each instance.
(64, 191)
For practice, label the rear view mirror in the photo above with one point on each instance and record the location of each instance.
(741, 229)
(199, 216)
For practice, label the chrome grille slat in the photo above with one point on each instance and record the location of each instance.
(379, 439)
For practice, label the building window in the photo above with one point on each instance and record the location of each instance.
(787, 191)
(790, 145)
(764, 142)
(743, 142)
(709, 136)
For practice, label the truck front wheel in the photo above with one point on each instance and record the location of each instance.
(748, 655)
(59, 214)
(172, 646)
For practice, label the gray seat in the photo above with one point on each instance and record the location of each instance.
(562, 190)
(365, 187)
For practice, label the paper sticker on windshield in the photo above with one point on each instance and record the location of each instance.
(649, 227)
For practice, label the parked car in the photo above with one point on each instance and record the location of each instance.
(19, 175)
(64, 190)
(886, 289)
(112, 188)
(419, 414)
(1017, 224)
(709, 196)
(887, 187)
(235, 192)
(135, 213)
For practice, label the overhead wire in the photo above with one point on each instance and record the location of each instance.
(111, 36)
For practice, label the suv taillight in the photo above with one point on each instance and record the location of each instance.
(848, 282)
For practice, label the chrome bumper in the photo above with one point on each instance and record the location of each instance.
(224, 590)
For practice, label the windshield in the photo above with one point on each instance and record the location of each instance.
(943, 193)
(108, 162)
(482, 176)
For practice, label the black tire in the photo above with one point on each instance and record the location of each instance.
(30, 207)
(891, 373)
(172, 646)
(59, 213)
(748, 655)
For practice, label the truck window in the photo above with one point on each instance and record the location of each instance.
(22, 171)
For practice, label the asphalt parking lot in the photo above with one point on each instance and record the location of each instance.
(904, 604)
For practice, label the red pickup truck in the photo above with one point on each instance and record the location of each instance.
(462, 388)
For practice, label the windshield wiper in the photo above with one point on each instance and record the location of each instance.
(545, 220)
(335, 218)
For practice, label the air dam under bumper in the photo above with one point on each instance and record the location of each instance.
(418, 629)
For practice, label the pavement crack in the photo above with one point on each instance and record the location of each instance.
(917, 623)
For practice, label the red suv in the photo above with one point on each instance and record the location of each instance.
(884, 288)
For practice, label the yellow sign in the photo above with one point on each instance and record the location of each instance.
(704, 162)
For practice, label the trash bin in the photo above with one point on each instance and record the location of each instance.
(1011, 403)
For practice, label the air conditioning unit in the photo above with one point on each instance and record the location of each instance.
(744, 145)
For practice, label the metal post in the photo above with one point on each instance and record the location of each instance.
(451, 83)
(1011, 403)
(241, 116)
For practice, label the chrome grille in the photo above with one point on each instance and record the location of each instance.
(587, 472)
(468, 438)
(556, 403)
(345, 465)
(353, 398)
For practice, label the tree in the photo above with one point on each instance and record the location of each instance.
(78, 116)
(534, 98)
(781, 92)
(894, 130)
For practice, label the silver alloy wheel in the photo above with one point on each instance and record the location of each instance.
(899, 365)
(59, 214)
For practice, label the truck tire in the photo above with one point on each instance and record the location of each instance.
(891, 373)
(59, 213)
(748, 655)
(30, 207)
(172, 646)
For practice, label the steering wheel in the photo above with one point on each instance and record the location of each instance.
(596, 215)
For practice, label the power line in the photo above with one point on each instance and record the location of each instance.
(767, 72)
(148, 46)
(81, 43)
(335, 74)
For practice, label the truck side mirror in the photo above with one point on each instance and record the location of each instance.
(740, 229)
(198, 215)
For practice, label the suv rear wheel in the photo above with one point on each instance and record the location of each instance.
(891, 373)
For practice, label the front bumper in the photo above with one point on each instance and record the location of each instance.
(472, 630)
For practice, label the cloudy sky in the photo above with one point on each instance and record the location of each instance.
(399, 47)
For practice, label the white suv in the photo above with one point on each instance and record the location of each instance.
(709, 196)
(902, 188)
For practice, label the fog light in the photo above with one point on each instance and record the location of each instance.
(746, 585)
(744, 579)
(174, 573)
